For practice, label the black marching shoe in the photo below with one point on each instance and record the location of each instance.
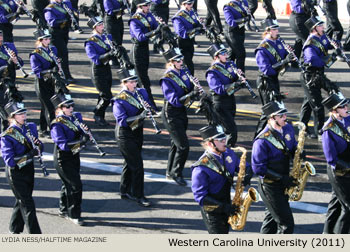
(44, 134)
(63, 214)
(180, 180)
(100, 121)
(77, 221)
(127, 196)
(143, 202)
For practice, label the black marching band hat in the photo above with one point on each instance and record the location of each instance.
(126, 75)
(60, 99)
(15, 108)
(269, 23)
(211, 132)
(334, 101)
(313, 22)
(142, 2)
(92, 22)
(215, 49)
(41, 34)
(274, 108)
(172, 54)
(186, 1)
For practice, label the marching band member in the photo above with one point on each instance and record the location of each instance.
(99, 51)
(43, 65)
(222, 79)
(143, 27)
(272, 59)
(18, 153)
(212, 178)
(69, 139)
(59, 23)
(9, 13)
(316, 58)
(336, 142)
(178, 92)
(187, 26)
(271, 153)
(236, 16)
(130, 114)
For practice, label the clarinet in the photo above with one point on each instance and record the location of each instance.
(31, 137)
(127, 5)
(140, 97)
(192, 79)
(75, 23)
(336, 46)
(24, 8)
(290, 50)
(89, 133)
(251, 17)
(55, 59)
(9, 52)
(239, 72)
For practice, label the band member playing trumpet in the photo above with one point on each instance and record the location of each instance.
(271, 153)
(272, 58)
(69, 139)
(223, 83)
(178, 93)
(18, 154)
(130, 114)
(99, 52)
(336, 142)
(212, 178)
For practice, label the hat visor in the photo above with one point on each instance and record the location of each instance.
(279, 112)
(177, 57)
(45, 36)
(342, 103)
(217, 136)
(220, 51)
(98, 23)
(67, 102)
(19, 111)
(131, 78)
(273, 27)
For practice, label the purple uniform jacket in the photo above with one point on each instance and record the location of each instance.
(122, 109)
(264, 151)
(53, 15)
(4, 56)
(139, 29)
(313, 54)
(112, 6)
(171, 90)
(265, 59)
(217, 80)
(8, 7)
(206, 181)
(296, 6)
(332, 143)
(39, 61)
(11, 148)
(181, 25)
(94, 49)
(61, 134)
(232, 16)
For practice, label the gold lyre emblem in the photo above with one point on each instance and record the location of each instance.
(228, 159)
(287, 137)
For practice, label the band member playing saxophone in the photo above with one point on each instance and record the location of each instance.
(271, 154)
(212, 178)
(336, 143)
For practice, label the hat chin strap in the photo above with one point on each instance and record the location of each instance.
(215, 147)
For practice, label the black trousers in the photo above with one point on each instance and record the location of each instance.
(187, 49)
(235, 39)
(253, 5)
(267, 5)
(161, 10)
(213, 14)
(115, 27)
(3, 114)
(296, 23)
(334, 28)
(45, 90)
(278, 215)
(68, 169)
(7, 29)
(100, 7)
(347, 39)
(338, 212)
(225, 108)
(102, 80)
(130, 145)
(40, 4)
(140, 58)
(175, 121)
(21, 182)
(216, 223)
(60, 38)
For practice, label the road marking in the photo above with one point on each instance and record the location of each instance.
(161, 178)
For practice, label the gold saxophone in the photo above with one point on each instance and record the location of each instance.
(238, 220)
(300, 174)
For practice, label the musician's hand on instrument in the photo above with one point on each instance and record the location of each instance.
(84, 126)
(85, 138)
(32, 153)
(144, 114)
(288, 181)
(36, 141)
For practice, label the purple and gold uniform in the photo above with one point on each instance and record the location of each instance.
(56, 16)
(8, 13)
(41, 61)
(114, 10)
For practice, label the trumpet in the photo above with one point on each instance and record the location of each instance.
(10, 53)
(31, 138)
(142, 100)
(89, 133)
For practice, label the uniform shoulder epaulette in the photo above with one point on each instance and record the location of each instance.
(203, 161)
(167, 75)
(7, 132)
(137, 16)
(328, 126)
(263, 44)
(50, 6)
(121, 96)
(92, 38)
(181, 13)
(264, 135)
(37, 50)
(56, 120)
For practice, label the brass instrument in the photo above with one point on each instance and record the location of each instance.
(238, 220)
(299, 174)
(31, 138)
